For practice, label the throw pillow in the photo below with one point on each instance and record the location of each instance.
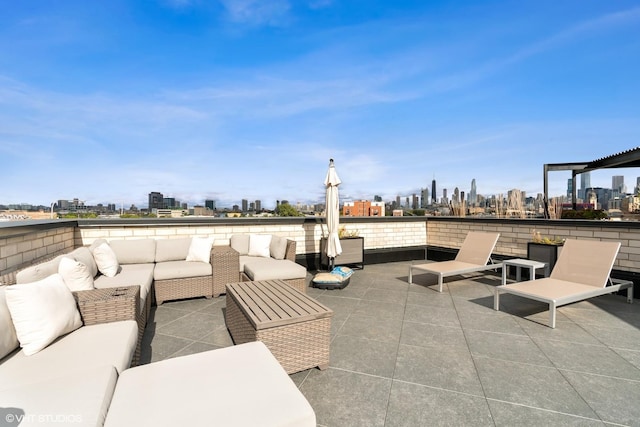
(240, 243)
(200, 249)
(327, 278)
(259, 245)
(42, 311)
(75, 274)
(278, 247)
(8, 338)
(106, 260)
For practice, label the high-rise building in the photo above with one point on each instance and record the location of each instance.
(617, 184)
(398, 204)
(377, 198)
(585, 182)
(169, 202)
(473, 195)
(569, 189)
(258, 205)
(414, 201)
(211, 204)
(433, 192)
(156, 200)
(245, 205)
(424, 198)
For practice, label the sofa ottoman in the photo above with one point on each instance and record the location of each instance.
(242, 385)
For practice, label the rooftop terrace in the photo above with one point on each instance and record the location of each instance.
(407, 355)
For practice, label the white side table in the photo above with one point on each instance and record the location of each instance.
(519, 263)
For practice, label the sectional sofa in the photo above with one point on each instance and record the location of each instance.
(84, 365)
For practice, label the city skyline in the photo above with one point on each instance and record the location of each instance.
(236, 99)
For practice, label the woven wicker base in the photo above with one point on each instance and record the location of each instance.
(190, 287)
(297, 346)
(299, 284)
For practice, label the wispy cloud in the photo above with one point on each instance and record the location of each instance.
(257, 12)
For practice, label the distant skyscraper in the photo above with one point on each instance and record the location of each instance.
(424, 198)
(245, 205)
(569, 188)
(377, 198)
(156, 200)
(473, 195)
(617, 184)
(414, 201)
(211, 204)
(258, 205)
(398, 204)
(433, 192)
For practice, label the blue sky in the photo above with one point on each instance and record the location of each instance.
(232, 99)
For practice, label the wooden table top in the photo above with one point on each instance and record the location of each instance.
(273, 303)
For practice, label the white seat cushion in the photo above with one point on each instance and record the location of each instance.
(243, 385)
(78, 398)
(111, 344)
(270, 269)
(181, 270)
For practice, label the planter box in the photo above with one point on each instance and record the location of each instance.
(352, 252)
(543, 253)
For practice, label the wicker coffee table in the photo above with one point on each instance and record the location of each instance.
(294, 326)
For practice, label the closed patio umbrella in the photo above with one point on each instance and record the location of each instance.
(332, 210)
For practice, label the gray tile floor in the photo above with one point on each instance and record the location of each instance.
(406, 355)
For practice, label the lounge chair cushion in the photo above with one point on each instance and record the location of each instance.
(41, 312)
(106, 260)
(172, 249)
(139, 251)
(259, 245)
(271, 269)
(104, 344)
(76, 274)
(278, 247)
(81, 397)
(240, 242)
(181, 270)
(200, 250)
(8, 339)
(245, 382)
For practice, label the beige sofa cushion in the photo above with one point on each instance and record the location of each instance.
(278, 247)
(38, 272)
(41, 312)
(106, 260)
(149, 395)
(139, 251)
(110, 344)
(172, 249)
(8, 338)
(76, 274)
(84, 255)
(181, 270)
(270, 269)
(129, 275)
(240, 242)
(77, 398)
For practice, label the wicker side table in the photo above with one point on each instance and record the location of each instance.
(294, 326)
(108, 304)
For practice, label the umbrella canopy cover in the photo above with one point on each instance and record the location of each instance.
(332, 210)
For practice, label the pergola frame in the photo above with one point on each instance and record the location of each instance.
(625, 159)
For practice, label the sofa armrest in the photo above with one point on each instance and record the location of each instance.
(225, 266)
(108, 304)
(291, 250)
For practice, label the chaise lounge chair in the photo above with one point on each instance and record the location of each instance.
(472, 256)
(581, 272)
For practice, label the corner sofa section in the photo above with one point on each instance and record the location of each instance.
(277, 261)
